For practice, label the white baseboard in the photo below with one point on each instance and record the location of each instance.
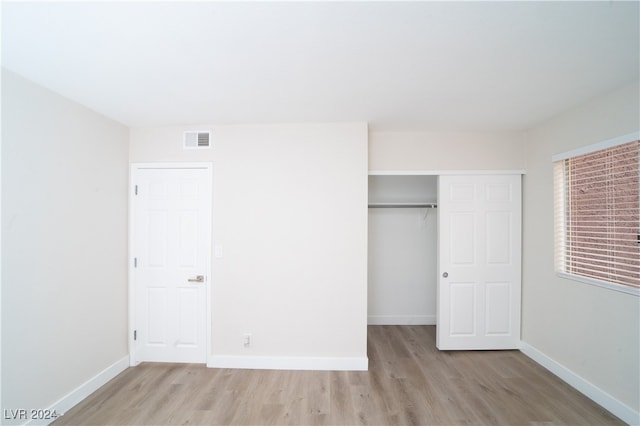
(289, 363)
(401, 320)
(587, 388)
(81, 392)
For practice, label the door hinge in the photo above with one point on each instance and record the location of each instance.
(135, 262)
(135, 334)
(135, 189)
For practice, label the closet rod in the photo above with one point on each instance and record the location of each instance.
(403, 205)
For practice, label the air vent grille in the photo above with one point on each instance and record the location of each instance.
(197, 139)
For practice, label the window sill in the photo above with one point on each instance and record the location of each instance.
(611, 286)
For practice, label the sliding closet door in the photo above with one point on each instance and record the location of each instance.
(479, 225)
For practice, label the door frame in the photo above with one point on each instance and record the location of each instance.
(133, 173)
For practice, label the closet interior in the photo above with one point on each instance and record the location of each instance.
(402, 251)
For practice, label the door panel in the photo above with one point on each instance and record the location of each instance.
(188, 239)
(462, 231)
(497, 309)
(188, 321)
(479, 219)
(157, 239)
(156, 320)
(171, 244)
(462, 309)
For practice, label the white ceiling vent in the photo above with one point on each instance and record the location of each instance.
(197, 139)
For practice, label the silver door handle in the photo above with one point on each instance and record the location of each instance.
(445, 275)
(196, 279)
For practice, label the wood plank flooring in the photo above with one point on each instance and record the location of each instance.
(409, 382)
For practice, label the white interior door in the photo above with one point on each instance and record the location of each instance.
(171, 250)
(479, 238)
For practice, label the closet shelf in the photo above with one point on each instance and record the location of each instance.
(403, 205)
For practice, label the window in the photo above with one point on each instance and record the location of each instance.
(597, 214)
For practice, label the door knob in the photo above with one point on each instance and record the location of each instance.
(196, 279)
(445, 274)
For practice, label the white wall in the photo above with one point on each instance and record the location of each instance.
(290, 210)
(404, 151)
(591, 331)
(402, 251)
(64, 238)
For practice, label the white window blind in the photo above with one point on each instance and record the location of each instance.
(597, 215)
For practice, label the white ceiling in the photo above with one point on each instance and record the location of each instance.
(396, 65)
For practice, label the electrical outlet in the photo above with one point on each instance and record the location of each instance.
(246, 340)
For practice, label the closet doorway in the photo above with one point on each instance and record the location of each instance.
(402, 250)
(458, 267)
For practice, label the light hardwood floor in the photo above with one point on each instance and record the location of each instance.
(409, 382)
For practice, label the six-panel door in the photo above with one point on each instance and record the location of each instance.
(479, 219)
(172, 210)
